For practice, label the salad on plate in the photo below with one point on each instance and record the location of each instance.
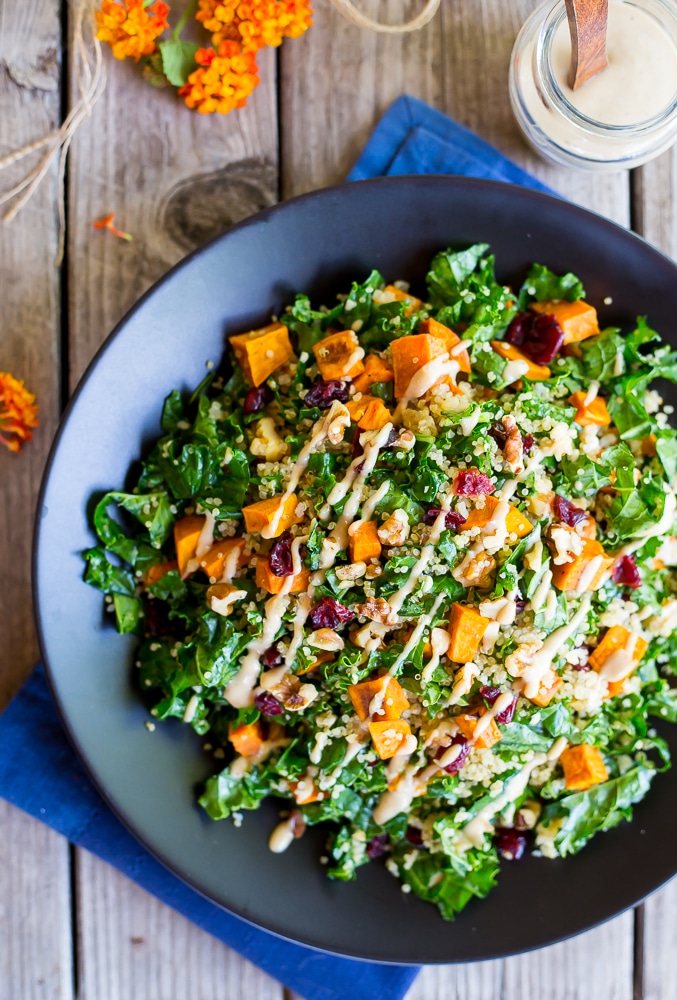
(408, 565)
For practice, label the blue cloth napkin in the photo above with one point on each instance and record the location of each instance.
(41, 774)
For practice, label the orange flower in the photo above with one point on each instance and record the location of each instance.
(130, 28)
(224, 79)
(107, 223)
(257, 22)
(18, 412)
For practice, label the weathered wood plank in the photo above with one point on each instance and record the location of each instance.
(655, 218)
(29, 321)
(35, 945)
(35, 949)
(592, 965)
(131, 945)
(174, 179)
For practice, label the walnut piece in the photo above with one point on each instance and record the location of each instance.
(475, 569)
(339, 423)
(513, 448)
(267, 442)
(353, 571)
(325, 638)
(378, 610)
(395, 530)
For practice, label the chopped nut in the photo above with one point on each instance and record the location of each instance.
(297, 824)
(405, 440)
(339, 423)
(378, 610)
(267, 443)
(373, 570)
(353, 571)
(475, 569)
(513, 448)
(325, 638)
(395, 530)
(370, 635)
(301, 698)
(527, 815)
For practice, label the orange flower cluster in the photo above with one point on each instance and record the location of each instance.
(18, 412)
(130, 28)
(223, 81)
(255, 23)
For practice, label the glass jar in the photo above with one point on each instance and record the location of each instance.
(570, 127)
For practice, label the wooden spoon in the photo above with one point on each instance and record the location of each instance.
(587, 24)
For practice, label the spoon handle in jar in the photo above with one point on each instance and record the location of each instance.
(588, 27)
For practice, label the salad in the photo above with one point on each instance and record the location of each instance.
(407, 565)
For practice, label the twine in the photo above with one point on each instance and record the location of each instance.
(90, 74)
(350, 11)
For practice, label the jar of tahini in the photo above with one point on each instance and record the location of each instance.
(622, 117)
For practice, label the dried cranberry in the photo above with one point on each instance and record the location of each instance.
(567, 513)
(452, 521)
(538, 335)
(272, 657)
(625, 573)
(323, 394)
(280, 557)
(498, 432)
(268, 703)
(510, 844)
(520, 605)
(378, 846)
(156, 616)
(455, 766)
(472, 482)
(330, 614)
(492, 694)
(527, 443)
(256, 399)
(414, 836)
(297, 823)
(581, 666)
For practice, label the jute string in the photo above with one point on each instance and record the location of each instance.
(90, 75)
(350, 11)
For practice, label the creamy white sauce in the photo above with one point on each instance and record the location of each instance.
(542, 659)
(281, 837)
(514, 370)
(540, 595)
(591, 394)
(587, 577)
(240, 691)
(231, 564)
(206, 538)
(440, 640)
(663, 527)
(303, 605)
(369, 459)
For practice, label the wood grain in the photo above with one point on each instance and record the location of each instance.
(655, 188)
(35, 946)
(174, 179)
(132, 947)
(587, 24)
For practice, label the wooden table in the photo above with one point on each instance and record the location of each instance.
(71, 925)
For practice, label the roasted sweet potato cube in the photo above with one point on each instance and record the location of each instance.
(247, 740)
(614, 640)
(516, 522)
(266, 579)
(156, 572)
(466, 628)
(411, 354)
(363, 541)
(393, 704)
(375, 416)
(594, 412)
(226, 554)
(389, 737)
(534, 372)
(547, 689)
(260, 352)
(393, 294)
(305, 791)
(375, 370)
(585, 571)
(186, 536)
(583, 767)
(451, 340)
(262, 516)
(356, 407)
(648, 446)
(577, 319)
(339, 355)
(468, 727)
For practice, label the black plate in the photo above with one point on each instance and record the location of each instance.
(315, 244)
